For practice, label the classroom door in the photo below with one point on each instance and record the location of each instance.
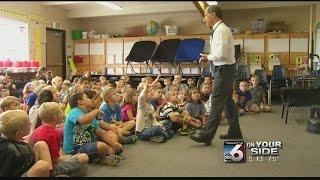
(56, 58)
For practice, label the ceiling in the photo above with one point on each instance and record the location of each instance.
(85, 9)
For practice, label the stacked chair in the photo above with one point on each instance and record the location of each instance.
(278, 79)
(171, 51)
(165, 53)
(263, 82)
(242, 74)
(189, 51)
(141, 52)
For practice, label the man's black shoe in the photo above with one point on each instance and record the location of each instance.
(227, 136)
(198, 138)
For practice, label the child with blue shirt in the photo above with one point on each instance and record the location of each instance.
(112, 111)
(80, 130)
(243, 97)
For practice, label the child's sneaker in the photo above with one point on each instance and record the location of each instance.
(157, 139)
(129, 139)
(111, 160)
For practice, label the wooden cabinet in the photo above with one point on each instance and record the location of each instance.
(92, 52)
(110, 54)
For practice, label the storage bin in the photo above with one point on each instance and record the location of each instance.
(76, 34)
(171, 30)
(258, 27)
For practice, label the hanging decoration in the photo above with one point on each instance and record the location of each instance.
(27, 16)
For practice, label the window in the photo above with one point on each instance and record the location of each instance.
(14, 40)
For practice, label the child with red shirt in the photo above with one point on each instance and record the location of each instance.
(51, 115)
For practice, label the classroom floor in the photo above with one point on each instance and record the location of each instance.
(182, 157)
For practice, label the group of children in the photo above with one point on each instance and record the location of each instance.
(61, 127)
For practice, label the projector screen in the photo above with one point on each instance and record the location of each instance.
(14, 39)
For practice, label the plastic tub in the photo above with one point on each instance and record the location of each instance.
(258, 27)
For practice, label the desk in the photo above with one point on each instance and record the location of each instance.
(305, 81)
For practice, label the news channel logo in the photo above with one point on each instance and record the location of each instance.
(235, 151)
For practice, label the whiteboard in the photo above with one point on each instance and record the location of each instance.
(253, 45)
(115, 48)
(278, 45)
(299, 45)
(96, 49)
(14, 40)
(81, 49)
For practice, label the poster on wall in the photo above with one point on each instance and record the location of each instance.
(255, 62)
(37, 45)
(274, 59)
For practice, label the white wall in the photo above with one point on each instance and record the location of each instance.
(189, 22)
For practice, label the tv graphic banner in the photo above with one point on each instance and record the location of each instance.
(260, 151)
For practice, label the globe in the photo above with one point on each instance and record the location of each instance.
(152, 28)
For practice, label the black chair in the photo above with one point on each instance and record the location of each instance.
(166, 51)
(141, 52)
(263, 81)
(300, 97)
(278, 78)
(242, 74)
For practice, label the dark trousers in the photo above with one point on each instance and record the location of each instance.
(222, 99)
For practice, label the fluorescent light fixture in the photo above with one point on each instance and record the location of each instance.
(110, 5)
(212, 2)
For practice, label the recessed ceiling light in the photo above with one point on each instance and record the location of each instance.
(212, 2)
(110, 5)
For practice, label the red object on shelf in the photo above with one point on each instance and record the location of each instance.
(6, 63)
(26, 63)
(35, 64)
(78, 59)
(1, 63)
(17, 64)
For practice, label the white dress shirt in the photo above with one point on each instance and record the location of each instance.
(221, 45)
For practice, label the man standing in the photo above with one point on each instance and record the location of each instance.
(222, 56)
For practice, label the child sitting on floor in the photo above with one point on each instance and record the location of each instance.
(244, 99)
(51, 115)
(172, 113)
(128, 107)
(196, 108)
(147, 128)
(258, 95)
(9, 103)
(80, 129)
(112, 110)
(17, 157)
